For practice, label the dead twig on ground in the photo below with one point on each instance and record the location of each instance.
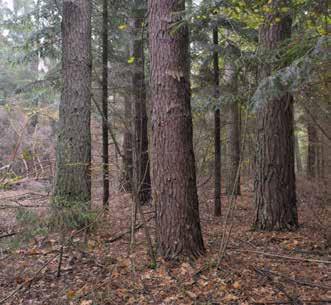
(121, 235)
(28, 283)
(284, 256)
(8, 235)
(287, 302)
(293, 299)
(147, 235)
(19, 205)
(300, 282)
(58, 273)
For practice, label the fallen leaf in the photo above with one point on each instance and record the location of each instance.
(70, 294)
(230, 297)
(191, 294)
(236, 285)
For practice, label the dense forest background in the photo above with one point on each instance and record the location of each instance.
(165, 152)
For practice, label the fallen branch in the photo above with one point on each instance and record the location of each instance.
(4, 207)
(24, 196)
(121, 235)
(300, 282)
(29, 282)
(287, 302)
(284, 256)
(8, 235)
(292, 299)
(5, 167)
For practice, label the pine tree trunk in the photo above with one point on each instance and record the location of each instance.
(297, 155)
(105, 151)
(322, 162)
(312, 150)
(233, 131)
(217, 131)
(127, 166)
(318, 160)
(275, 190)
(173, 165)
(141, 158)
(73, 158)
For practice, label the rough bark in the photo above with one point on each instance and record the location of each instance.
(233, 131)
(275, 190)
(173, 164)
(217, 131)
(141, 157)
(73, 158)
(105, 147)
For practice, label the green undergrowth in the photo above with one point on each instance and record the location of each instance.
(63, 217)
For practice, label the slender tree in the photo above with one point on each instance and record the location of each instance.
(312, 149)
(73, 157)
(233, 130)
(322, 156)
(275, 190)
(127, 165)
(217, 130)
(141, 158)
(173, 165)
(298, 160)
(105, 152)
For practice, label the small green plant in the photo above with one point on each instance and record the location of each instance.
(71, 214)
(4, 186)
(153, 265)
(9, 179)
(30, 225)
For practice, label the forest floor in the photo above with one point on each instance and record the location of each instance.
(258, 267)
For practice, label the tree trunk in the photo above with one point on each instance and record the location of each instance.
(233, 131)
(105, 151)
(322, 161)
(141, 158)
(297, 155)
(217, 130)
(275, 194)
(173, 166)
(127, 166)
(312, 150)
(73, 158)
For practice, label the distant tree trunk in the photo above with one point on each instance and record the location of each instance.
(35, 65)
(322, 161)
(297, 154)
(173, 167)
(312, 150)
(141, 158)
(73, 157)
(318, 159)
(275, 190)
(105, 151)
(127, 166)
(233, 131)
(217, 130)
